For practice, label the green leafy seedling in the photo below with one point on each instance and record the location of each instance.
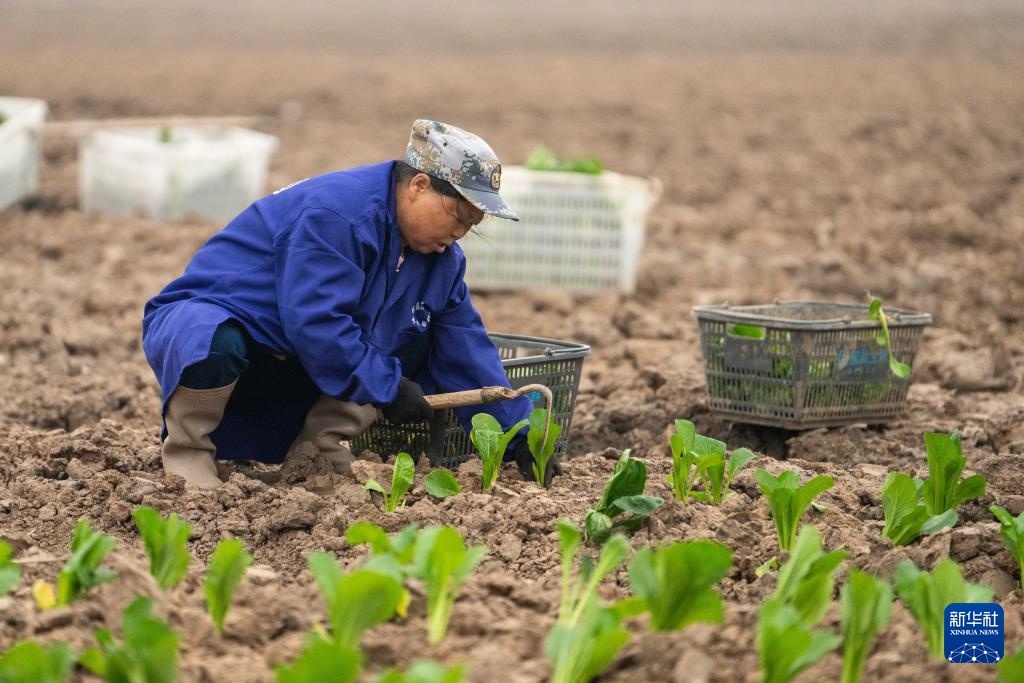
(623, 493)
(875, 313)
(441, 483)
(10, 571)
(943, 489)
(1011, 669)
(401, 546)
(684, 460)
(228, 563)
(587, 635)
(166, 546)
(789, 501)
(541, 440)
(906, 517)
(425, 671)
(355, 601)
(700, 457)
(1011, 531)
(927, 594)
(543, 159)
(785, 643)
(807, 579)
(322, 660)
(402, 477)
(676, 582)
(490, 442)
(149, 652)
(442, 561)
(82, 571)
(866, 604)
(29, 662)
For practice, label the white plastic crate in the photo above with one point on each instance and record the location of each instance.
(211, 172)
(19, 147)
(577, 232)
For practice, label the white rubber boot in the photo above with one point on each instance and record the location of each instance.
(190, 417)
(329, 422)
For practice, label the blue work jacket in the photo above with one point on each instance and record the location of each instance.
(312, 272)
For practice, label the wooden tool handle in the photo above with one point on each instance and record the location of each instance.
(472, 397)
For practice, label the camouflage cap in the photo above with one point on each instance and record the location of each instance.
(461, 158)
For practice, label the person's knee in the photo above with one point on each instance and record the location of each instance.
(227, 360)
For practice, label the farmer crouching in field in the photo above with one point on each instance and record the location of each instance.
(330, 299)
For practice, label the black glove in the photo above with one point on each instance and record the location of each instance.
(409, 404)
(524, 459)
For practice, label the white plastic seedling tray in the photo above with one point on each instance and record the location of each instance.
(576, 232)
(167, 173)
(19, 147)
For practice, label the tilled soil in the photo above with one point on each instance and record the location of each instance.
(821, 174)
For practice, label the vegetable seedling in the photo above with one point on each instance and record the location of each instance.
(165, 541)
(543, 159)
(149, 652)
(490, 442)
(788, 500)
(943, 489)
(624, 492)
(785, 644)
(807, 578)
(10, 571)
(906, 518)
(927, 594)
(875, 313)
(442, 561)
(541, 440)
(322, 660)
(441, 483)
(675, 582)
(424, 671)
(866, 604)
(402, 477)
(1011, 531)
(355, 601)
(696, 456)
(29, 662)
(587, 635)
(228, 563)
(82, 571)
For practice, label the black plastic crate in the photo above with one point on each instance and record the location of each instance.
(805, 364)
(527, 360)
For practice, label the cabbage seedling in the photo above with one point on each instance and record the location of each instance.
(441, 483)
(149, 652)
(491, 442)
(29, 662)
(228, 563)
(165, 542)
(624, 492)
(807, 578)
(355, 601)
(402, 477)
(424, 671)
(694, 455)
(788, 500)
(10, 571)
(866, 606)
(785, 644)
(1011, 530)
(541, 439)
(442, 561)
(875, 312)
(943, 489)
(676, 582)
(587, 635)
(927, 594)
(82, 572)
(322, 660)
(906, 517)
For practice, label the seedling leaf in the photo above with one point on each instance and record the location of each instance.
(227, 567)
(676, 582)
(166, 545)
(866, 606)
(82, 571)
(441, 483)
(29, 662)
(10, 571)
(322, 660)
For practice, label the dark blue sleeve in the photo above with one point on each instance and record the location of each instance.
(319, 282)
(463, 357)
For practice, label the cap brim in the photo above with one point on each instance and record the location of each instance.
(488, 202)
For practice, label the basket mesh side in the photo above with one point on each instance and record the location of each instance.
(561, 375)
(798, 377)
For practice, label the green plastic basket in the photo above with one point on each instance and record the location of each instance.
(527, 360)
(805, 364)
